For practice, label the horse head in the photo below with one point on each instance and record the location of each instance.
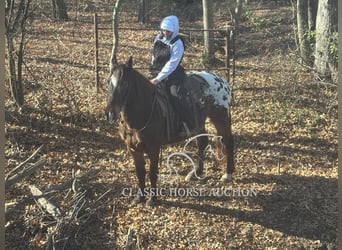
(118, 89)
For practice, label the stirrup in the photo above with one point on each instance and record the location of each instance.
(187, 131)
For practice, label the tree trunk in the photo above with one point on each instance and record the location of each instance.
(207, 25)
(59, 10)
(237, 12)
(325, 26)
(303, 28)
(113, 59)
(312, 14)
(15, 26)
(143, 16)
(15, 82)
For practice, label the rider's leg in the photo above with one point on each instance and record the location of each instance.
(182, 107)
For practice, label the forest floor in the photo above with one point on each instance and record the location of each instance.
(284, 191)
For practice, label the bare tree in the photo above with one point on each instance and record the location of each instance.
(303, 29)
(312, 14)
(115, 24)
(15, 23)
(59, 10)
(143, 15)
(237, 12)
(208, 34)
(326, 25)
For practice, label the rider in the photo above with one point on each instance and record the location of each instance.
(168, 50)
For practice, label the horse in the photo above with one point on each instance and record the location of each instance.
(135, 104)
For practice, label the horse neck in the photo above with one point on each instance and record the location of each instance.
(141, 100)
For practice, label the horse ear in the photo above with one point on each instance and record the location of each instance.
(129, 62)
(113, 62)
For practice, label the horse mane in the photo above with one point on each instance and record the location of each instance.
(140, 77)
(142, 86)
(141, 80)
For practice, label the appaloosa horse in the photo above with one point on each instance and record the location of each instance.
(145, 127)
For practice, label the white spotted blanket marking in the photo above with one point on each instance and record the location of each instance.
(218, 89)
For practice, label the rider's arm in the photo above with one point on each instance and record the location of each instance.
(177, 51)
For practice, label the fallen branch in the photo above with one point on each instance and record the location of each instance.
(52, 188)
(130, 242)
(44, 203)
(24, 162)
(327, 85)
(14, 179)
(69, 183)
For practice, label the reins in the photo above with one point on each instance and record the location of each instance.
(150, 116)
(152, 108)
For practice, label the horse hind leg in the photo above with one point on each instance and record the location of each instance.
(202, 142)
(222, 123)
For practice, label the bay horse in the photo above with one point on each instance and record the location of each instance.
(135, 103)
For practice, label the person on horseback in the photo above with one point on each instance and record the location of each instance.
(168, 50)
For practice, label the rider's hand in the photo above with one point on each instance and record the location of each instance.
(154, 81)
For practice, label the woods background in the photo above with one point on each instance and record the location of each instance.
(66, 166)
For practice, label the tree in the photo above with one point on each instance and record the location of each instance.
(208, 25)
(237, 12)
(312, 14)
(59, 10)
(326, 26)
(143, 15)
(15, 24)
(113, 59)
(303, 29)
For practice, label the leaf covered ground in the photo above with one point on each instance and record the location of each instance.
(284, 192)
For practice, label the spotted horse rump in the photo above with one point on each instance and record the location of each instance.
(204, 86)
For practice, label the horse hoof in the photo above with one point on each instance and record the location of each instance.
(152, 201)
(226, 178)
(138, 199)
(190, 176)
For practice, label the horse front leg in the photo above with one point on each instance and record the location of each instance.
(139, 163)
(153, 174)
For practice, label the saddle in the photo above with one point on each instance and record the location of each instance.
(194, 91)
(167, 112)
